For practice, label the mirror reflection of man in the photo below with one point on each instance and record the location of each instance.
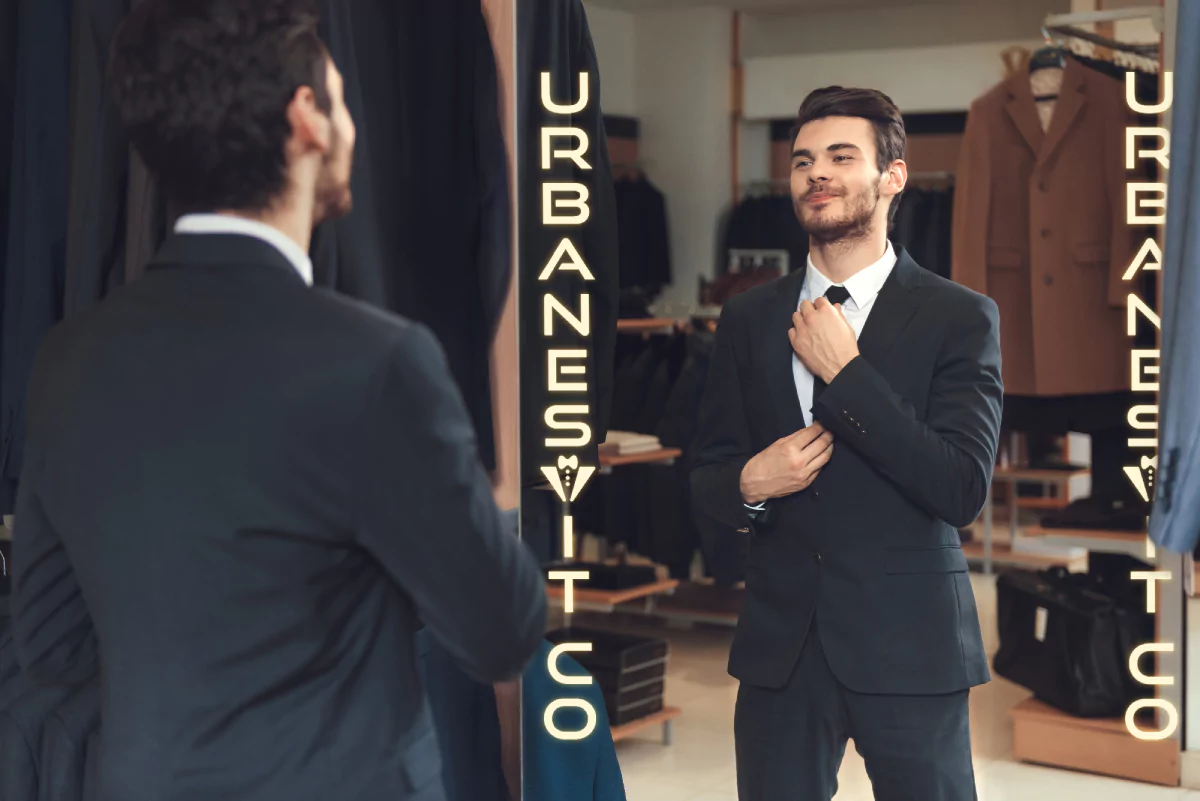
(243, 495)
(850, 426)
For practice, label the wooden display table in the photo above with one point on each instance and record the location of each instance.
(665, 717)
(1044, 735)
(646, 325)
(592, 600)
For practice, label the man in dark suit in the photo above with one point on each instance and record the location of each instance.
(243, 495)
(850, 425)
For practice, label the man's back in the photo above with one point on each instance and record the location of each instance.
(263, 490)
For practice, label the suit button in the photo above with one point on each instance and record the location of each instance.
(1048, 279)
(1045, 233)
(816, 493)
(817, 558)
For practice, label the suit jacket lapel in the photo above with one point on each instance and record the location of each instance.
(1069, 105)
(778, 352)
(1023, 109)
(893, 309)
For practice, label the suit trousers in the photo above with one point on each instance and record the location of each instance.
(790, 742)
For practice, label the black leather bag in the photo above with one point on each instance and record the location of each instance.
(1068, 641)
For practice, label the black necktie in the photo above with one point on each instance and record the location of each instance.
(835, 294)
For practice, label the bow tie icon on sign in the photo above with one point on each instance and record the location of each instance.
(569, 478)
(1142, 476)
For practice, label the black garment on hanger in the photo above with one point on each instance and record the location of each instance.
(429, 237)
(644, 249)
(34, 263)
(923, 226)
(769, 223)
(553, 35)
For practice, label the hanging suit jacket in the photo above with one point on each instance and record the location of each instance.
(22, 724)
(1039, 226)
(216, 439)
(64, 745)
(566, 770)
(1175, 516)
(430, 236)
(37, 214)
(553, 35)
(871, 547)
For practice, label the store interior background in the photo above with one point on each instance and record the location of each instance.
(668, 64)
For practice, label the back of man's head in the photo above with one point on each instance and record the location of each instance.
(203, 88)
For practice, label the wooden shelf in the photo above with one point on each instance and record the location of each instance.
(1045, 735)
(583, 595)
(645, 325)
(649, 457)
(665, 716)
(1019, 474)
(1003, 554)
(1085, 533)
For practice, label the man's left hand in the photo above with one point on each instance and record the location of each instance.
(822, 338)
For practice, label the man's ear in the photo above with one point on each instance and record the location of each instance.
(311, 128)
(898, 175)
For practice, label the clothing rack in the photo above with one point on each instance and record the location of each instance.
(1142, 56)
(931, 176)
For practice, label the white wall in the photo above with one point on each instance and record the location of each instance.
(682, 93)
(612, 35)
(942, 78)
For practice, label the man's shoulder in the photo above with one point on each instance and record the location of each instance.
(955, 300)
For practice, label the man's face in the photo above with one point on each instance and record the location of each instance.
(333, 182)
(835, 182)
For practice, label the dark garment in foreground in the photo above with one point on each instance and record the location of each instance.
(791, 740)
(231, 486)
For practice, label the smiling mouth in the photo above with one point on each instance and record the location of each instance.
(821, 196)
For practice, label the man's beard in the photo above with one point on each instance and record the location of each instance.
(856, 223)
(334, 198)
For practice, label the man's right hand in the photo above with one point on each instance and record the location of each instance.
(787, 466)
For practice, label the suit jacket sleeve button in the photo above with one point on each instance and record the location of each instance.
(817, 558)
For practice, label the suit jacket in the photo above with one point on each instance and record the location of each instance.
(1039, 226)
(1175, 516)
(37, 213)
(21, 725)
(430, 237)
(871, 547)
(64, 745)
(243, 496)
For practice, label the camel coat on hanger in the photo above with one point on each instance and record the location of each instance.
(1040, 227)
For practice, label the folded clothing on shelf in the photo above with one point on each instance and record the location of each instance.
(630, 671)
(1100, 514)
(628, 442)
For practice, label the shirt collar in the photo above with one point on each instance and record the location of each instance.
(863, 286)
(226, 224)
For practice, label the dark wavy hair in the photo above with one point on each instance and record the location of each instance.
(868, 104)
(203, 86)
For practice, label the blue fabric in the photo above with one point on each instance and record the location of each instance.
(566, 770)
(1175, 518)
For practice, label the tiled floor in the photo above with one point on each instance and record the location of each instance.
(699, 766)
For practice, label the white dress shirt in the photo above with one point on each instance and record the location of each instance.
(864, 288)
(225, 224)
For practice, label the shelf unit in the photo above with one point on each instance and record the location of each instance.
(1012, 476)
(646, 325)
(664, 717)
(608, 601)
